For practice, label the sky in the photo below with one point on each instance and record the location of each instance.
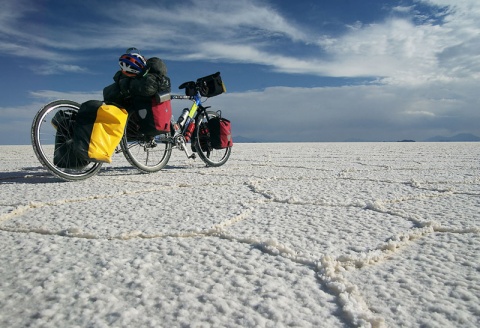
(325, 71)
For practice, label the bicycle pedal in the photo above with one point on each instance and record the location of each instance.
(193, 156)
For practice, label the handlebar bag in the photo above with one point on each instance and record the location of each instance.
(211, 85)
(220, 133)
(189, 88)
(64, 155)
(153, 114)
(98, 130)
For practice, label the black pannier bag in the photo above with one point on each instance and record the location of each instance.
(220, 133)
(211, 85)
(133, 129)
(64, 155)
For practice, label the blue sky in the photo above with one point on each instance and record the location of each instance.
(315, 70)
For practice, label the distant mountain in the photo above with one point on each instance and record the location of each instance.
(461, 137)
(355, 140)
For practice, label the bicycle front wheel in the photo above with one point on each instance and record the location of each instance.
(52, 138)
(146, 153)
(208, 154)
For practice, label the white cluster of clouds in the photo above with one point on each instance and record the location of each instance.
(395, 49)
(425, 67)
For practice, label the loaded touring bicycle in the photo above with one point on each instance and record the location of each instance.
(199, 131)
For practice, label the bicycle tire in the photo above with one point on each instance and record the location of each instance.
(211, 157)
(148, 154)
(43, 135)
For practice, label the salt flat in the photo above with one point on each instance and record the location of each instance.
(301, 234)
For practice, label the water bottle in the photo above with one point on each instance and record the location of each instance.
(189, 131)
(183, 117)
(176, 128)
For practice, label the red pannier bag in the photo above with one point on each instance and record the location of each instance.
(153, 113)
(220, 133)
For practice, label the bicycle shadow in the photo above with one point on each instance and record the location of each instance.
(28, 175)
(39, 175)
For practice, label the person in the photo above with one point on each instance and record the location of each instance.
(137, 77)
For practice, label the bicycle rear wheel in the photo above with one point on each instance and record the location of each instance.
(208, 154)
(52, 139)
(146, 153)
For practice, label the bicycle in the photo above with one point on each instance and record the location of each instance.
(146, 153)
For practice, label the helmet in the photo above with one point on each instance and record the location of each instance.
(132, 51)
(132, 64)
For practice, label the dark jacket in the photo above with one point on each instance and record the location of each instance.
(154, 81)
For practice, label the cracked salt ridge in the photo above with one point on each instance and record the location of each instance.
(330, 270)
(437, 277)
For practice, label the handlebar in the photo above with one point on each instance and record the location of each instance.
(181, 97)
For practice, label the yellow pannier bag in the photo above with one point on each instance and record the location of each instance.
(98, 130)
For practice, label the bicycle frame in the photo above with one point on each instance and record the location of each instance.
(178, 138)
(197, 102)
